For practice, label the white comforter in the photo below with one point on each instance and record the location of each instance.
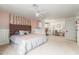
(27, 42)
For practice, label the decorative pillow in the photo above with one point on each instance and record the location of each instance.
(16, 33)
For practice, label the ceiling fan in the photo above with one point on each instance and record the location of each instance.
(38, 13)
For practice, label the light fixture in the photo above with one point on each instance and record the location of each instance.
(36, 7)
(37, 12)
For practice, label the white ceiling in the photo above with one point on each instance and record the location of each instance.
(48, 10)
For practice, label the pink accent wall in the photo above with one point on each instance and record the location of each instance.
(34, 23)
(4, 20)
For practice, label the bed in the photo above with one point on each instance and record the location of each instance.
(25, 43)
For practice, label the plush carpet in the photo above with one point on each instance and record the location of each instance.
(56, 45)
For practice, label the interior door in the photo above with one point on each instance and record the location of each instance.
(70, 32)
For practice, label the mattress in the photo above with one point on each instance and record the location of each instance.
(26, 43)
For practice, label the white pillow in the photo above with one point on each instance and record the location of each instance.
(23, 32)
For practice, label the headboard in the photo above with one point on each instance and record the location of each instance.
(16, 27)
